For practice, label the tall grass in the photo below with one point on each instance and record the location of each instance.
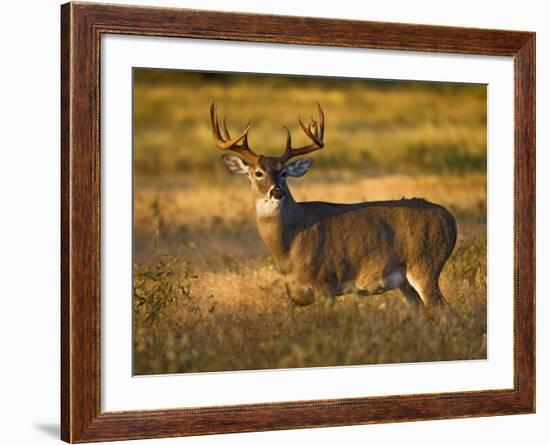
(252, 325)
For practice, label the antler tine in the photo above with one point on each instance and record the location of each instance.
(315, 131)
(228, 143)
(226, 132)
(224, 127)
(288, 143)
(321, 122)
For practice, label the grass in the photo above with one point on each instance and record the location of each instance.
(208, 295)
(242, 319)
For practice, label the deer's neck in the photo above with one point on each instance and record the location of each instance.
(278, 224)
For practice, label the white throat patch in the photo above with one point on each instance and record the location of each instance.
(267, 206)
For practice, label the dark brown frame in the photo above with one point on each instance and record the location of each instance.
(81, 28)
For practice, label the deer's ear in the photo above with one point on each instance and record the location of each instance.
(235, 164)
(298, 168)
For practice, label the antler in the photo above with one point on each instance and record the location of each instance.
(313, 130)
(228, 143)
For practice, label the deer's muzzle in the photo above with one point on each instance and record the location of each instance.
(276, 192)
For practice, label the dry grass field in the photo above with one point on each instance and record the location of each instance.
(207, 293)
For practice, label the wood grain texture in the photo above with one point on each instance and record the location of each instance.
(65, 227)
(81, 28)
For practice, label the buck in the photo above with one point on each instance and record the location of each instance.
(328, 249)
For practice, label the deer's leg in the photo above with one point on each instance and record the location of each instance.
(433, 295)
(392, 279)
(428, 288)
(301, 294)
(410, 294)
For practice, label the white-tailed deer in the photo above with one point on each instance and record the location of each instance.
(327, 249)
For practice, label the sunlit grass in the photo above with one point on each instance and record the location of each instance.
(242, 319)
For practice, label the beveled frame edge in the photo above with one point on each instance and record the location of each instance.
(82, 25)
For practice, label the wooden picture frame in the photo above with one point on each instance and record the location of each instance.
(82, 26)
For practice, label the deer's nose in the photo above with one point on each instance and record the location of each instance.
(276, 192)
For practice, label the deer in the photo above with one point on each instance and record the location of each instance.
(325, 249)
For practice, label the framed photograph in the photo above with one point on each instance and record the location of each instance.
(274, 222)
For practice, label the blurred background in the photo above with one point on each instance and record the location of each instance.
(374, 127)
(204, 281)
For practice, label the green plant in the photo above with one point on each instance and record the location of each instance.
(160, 282)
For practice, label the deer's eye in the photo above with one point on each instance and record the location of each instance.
(284, 174)
(259, 174)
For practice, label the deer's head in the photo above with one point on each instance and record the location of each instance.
(267, 174)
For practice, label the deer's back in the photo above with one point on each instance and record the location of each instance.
(383, 231)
